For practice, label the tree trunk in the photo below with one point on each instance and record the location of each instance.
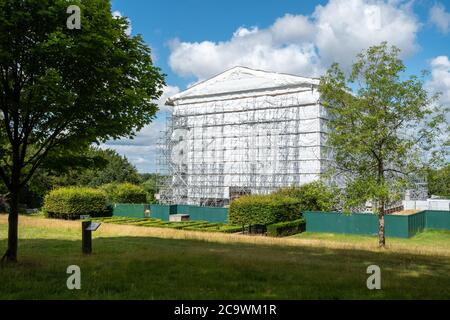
(381, 201)
(381, 233)
(13, 227)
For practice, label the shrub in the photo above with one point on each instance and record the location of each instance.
(70, 203)
(264, 210)
(284, 229)
(230, 229)
(125, 193)
(315, 196)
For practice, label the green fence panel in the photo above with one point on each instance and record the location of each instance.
(438, 220)
(129, 210)
(333, 222)
(398, 226)
(210, 214)
(182, 209)
(161, 212)
(330, 222)
(173, 209)
(417, 223)
(395, 226)
(138, 211)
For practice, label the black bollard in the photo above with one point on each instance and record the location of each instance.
(86, 238)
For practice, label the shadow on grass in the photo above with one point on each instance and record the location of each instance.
(150, 268)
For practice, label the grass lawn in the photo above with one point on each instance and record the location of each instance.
(430, 239)
(132, 263)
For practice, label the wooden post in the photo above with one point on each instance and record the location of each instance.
(86, 237)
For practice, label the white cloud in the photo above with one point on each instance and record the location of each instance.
(130, 28)
(261, 49)
(303, 45)
(344, 28)
(293, 28)
(440, 83)
(142, 150)
(440, 18)
(440, 78)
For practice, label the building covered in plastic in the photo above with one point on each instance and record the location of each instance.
(242, 132)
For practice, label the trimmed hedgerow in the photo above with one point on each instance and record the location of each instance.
(314, 196)
(70, 203)
(203, 226)
(264, 210)
(284, 229)
(125, 193)
(223, 229)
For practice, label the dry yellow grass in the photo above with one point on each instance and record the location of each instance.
(113, 230)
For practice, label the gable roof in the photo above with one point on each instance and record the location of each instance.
(242, 79)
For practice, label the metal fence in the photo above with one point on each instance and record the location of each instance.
(163, 212)
(400, 226)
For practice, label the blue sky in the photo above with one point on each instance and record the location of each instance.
(192, 40)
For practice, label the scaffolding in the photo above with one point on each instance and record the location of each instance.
(215, 149)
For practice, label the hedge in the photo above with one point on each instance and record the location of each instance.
(284, 229)
(314, 196)
(125, 193)
(202, 226)
(70, 203)
(264, 210)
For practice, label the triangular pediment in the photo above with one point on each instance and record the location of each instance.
(241, 79)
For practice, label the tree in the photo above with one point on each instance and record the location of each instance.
(383, 128)
(57, 171)
(439, 181)
(63, 89)
(152, 183)
(95, 167)
(314, 196)
(125, 193)
(101, 167)
(74, 169)
(118, 169)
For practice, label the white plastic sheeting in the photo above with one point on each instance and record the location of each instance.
(430, 204)
(240, 80)
(248, 130)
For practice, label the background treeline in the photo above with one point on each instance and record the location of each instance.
(93, 168)
(439, 182)
(114, 174)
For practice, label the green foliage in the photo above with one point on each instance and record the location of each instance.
(439, 182)
(60, 76)
(113, 168)
(284, 229)
(212, 270)
(202, 226)
(62, 90)
(70, 203)
(125, 193)
(382, 126)
(264, 209)
(314, 196)
(95, 167)
(151, 184)
(229, 229)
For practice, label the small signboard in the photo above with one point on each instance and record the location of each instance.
(93, 226)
